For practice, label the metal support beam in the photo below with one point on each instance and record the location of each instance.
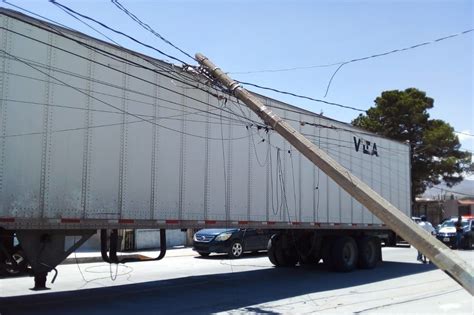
(436, 251)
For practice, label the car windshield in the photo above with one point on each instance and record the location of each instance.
(452, 223)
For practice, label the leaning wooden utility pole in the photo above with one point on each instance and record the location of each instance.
(436, 251)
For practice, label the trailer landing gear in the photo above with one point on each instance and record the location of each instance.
(45, 249)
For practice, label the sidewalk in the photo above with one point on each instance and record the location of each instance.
(95, 256)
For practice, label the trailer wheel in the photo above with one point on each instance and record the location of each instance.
(368, 252)
(271, 250)
(344, 254)
(236, 250)
(279, 254)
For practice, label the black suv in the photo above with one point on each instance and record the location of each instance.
(233, 242)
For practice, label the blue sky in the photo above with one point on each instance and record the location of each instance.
(253, 35)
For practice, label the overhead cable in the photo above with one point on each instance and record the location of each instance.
(356, 59)
(302, 96)
(148, 27)
(110, 105)
(116, 31)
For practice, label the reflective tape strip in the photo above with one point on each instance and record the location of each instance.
(7, 220)
(210, 222)
(126, 221)
(243, 222)
(172, 221)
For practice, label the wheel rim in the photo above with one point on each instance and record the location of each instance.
(237, 249)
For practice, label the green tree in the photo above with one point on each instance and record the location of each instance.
(435, 154)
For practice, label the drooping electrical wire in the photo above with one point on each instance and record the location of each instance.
(117, 31)
(464, 133)
(182, 78)
(108, 104)
(36, 14)
(88, 25)
(124, 72)
(148, 27)
(302, 96)
(355, 59)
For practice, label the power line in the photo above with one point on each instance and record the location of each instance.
(124, 60)
(125, 73)
(88, 25)
(116, 31)
(302, 96)
(37, 15)
(148, 27)
(148, 46)
(110, 105)
(392, 52)
(464, 133)
(156, 34)
(356, 59)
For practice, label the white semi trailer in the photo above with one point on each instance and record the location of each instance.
(97, 137)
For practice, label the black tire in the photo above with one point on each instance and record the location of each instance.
(271, 250)
(368, 252)
(280, 256)
(344, 254)
(286, 256)
(236, 249)
(204, 254)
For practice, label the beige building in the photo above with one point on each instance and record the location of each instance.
(457, 207)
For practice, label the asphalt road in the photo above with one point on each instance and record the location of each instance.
(186, 283)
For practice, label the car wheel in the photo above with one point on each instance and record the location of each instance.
(203, 254)
(236, 249)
